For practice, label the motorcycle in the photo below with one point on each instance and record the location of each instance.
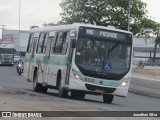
(20, 69)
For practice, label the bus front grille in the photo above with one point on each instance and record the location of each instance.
(105, 89)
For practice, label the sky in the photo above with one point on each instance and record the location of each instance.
(38, 12)
(32, 12)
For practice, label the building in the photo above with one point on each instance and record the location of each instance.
(20, 39)
(143, 50)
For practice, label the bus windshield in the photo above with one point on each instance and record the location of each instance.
(100, 58)
(6, 50)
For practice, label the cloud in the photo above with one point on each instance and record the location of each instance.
(32, 12)
(153, 9)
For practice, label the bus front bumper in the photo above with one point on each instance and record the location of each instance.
(75, 84)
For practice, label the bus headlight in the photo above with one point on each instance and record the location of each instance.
(76, 75)
(124, 84)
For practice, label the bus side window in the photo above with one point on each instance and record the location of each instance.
(60, 44)
(53, 44)
(40, 43)
(65, 42)
(30, 42)
(45, 43)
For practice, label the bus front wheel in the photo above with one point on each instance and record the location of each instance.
(77, 94)
(61, 91)
(108, 98)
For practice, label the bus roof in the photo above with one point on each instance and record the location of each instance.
(76, 27)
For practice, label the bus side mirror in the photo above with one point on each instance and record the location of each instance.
(73, 43)
(73, 38)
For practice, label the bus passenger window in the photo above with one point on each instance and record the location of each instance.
(45, 43)
(61, 39)
(40, 43)
(53, 44)
(30, 42)
(64, 43)
(57, 44)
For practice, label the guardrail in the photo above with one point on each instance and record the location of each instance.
(145, 86)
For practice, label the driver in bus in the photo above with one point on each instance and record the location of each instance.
(92, 53)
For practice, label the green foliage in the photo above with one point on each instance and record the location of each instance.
(140, 65)
(147, 27)
(109, 12)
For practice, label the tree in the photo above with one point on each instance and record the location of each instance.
(146, 27)
(157, 41)
(105, 12)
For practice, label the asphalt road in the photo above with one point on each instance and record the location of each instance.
(133, 102)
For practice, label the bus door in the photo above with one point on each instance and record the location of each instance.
(30, 56)
(47, 48)
(72, 37)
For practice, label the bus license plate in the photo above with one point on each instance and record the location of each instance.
(99, 91)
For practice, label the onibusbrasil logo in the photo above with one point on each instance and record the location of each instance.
(21, 114)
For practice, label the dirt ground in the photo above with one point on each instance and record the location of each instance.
(149, 73)
(12, 99)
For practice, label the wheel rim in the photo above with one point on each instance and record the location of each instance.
(35, 82)
(60, 89)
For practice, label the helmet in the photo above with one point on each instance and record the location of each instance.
(20, 60)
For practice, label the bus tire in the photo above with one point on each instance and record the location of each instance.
(77, 94)
(37, 87)
(108, 98)
(61, 91)
(43, 89)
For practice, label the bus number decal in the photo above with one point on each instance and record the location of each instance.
(90, 80)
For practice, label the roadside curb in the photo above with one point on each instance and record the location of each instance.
(148, 87)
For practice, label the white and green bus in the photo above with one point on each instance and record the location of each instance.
(80, 58)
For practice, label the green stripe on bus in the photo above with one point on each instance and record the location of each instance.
(58, 60)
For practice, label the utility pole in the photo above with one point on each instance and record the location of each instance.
(3, 27)
(129, 14)
(157, 41)
(19, 27)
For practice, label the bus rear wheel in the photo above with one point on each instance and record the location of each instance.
(108, 98)
(77, 94)
(37, 87)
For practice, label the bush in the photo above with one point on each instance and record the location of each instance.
(140, 64)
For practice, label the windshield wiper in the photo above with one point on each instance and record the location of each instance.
(110, 50)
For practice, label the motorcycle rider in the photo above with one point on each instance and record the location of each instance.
(20, 62)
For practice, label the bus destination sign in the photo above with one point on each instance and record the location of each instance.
(103, 34)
